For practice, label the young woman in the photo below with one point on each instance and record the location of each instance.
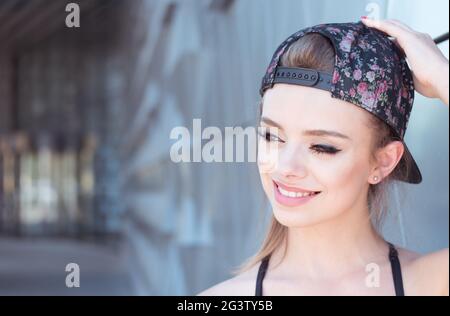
(334, 162)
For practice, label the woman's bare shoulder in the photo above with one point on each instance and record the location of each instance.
(242, 284)
(426, 274)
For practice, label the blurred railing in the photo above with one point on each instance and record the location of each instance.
(47, 186)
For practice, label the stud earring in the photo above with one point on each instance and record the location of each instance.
(375, 178)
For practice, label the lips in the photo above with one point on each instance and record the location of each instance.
(293, 189)
(292, 196)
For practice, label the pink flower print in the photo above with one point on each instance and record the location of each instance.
(399, 99)
(352, 92)
(374, 67)
(363, 45)
(346, 42)
(382, 87)
(345, 45)
(336, 77)
(362, 88)
(370, 76)
(368, 99)
(395, 120)
(404, 93)
(333, 29)
(389, 115)
(357, 74)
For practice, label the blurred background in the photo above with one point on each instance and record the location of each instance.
(85, 118)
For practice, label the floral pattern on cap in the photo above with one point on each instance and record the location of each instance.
(370, 71)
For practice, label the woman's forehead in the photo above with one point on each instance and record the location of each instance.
(296, 106)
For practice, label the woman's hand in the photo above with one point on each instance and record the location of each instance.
(429, 66)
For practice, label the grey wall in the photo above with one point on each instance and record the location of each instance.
(421, 221)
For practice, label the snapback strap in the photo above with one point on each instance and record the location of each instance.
(303, 77)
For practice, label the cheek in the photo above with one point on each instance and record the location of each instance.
(343, 175)
(267, 156)
(266, 177)
(342, 180)
(267, 163)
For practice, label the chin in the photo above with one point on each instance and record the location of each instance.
(296, 217)
(305, 215)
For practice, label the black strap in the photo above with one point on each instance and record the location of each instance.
(261, 274)
(393, 258)
(303, 77)
(441, 38)
(396, 271)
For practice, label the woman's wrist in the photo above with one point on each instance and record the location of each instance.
(441, 84)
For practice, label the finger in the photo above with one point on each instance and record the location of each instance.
(385, 26)
(398, 46)
(402, 25)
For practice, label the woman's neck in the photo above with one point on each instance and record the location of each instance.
(331, 249)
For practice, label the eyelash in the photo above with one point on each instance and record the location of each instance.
(317, 149)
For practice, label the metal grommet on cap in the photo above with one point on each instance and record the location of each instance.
(302, 76)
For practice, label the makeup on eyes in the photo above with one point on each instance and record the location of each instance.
(317, 147)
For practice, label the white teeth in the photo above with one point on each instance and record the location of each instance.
(293, 194)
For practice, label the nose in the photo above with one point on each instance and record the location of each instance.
(291, 162)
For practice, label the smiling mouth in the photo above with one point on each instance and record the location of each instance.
(292, 198)
(294, 194)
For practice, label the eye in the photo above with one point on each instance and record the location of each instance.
(324, 149)
(268, 137)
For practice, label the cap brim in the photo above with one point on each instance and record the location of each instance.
(414, 175)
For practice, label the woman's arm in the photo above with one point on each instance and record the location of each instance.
(429, 66)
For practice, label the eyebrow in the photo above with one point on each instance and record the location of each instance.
(314, 132)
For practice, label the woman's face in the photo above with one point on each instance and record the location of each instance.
(305, 157)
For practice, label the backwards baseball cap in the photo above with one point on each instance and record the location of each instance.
(370, 71)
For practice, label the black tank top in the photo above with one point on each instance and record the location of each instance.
(393, 258)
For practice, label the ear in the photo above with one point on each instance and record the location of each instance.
(387, 159)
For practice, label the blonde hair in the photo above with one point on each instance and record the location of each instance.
(316, 51)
